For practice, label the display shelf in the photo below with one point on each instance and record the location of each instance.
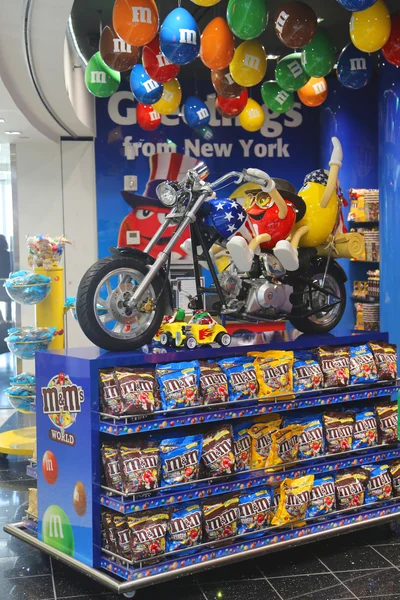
(205, 488)
(201, 414)
(366, 299)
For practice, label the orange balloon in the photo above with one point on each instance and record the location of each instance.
(217, 44)
(136, 21)
(315, 92)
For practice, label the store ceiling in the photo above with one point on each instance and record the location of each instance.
(14, 121)
(88, 15)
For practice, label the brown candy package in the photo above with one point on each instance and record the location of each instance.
(122, 536)
(218, 457)
(111, 403)
(387, 417)
(112, 468)
(109, 539)
(213, 384)
(136, 387)
(350, 488)
(335, 365)
(339, 429)
(140, 466)
(220, 518)
(385, 356)
(148, 534)
(394, 470)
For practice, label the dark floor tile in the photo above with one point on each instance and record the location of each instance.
(377, 582)
(236, 572)
(352, 558)
(13, 547)
(291, 562)
(171, 592)
(24, 566)
(27, 588)
(319, 587)
(73, 583)
(248, 590)
(97, 597)
(391, 552)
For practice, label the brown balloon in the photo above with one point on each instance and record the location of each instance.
(79, 499)
(295, 24)
(116, 53)
(224, 84)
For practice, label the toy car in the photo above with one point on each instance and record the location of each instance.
(201, 329)
(172, 330)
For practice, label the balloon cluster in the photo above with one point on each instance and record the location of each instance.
(153, 54)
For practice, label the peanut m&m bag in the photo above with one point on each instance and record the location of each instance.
(180, 459)
(365, 429)
(379, 486)
(362, 365)
(322, 499)
(254, 511)
(242, 379)
(307, 374)
(184, 528)
(178, 384)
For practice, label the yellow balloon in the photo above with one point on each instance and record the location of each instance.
(171, 98)
(370, 28)
(321, 221)
(252, 116)
(249, 63)
(205, 2)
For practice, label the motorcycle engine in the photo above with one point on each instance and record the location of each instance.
(230, 283)
(263, 294)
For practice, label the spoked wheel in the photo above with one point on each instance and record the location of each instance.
(103, 309)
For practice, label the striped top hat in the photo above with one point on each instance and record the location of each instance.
(165, 166)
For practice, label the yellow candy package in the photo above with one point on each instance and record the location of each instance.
(284, 445)
(295, 495)
(274, 370)
(260, 435)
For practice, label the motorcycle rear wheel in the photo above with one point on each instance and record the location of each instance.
(99, 306)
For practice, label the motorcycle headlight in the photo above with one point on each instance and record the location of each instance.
(166, 194)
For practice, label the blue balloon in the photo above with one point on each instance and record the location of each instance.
(354, 68)
(356, 5)
(180, 37)
(196, 113)
(145, 89)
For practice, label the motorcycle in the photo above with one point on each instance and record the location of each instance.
(123, 298)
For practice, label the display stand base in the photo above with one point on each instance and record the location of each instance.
(18, 441)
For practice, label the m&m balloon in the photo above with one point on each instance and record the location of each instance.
(196, 113)
(205, 2)
(79, 499)
(249, 63)
(180, 37)
(170, 99)
(145, 89)
(391, 50)
(232, 107)
(50, 467)
(136, 21)
(290, 74)
(116, 53)
(156, 65)
(358, 5)
(57, 530)
(354, 68)
(205, 133)
(295, 24)
(225, 85)
(217, 45)
(276, 98)
(147, 117)
(247, 18)
(314, 93)
(252, 117)
(370, 28)
(100, 80)
(319, 56)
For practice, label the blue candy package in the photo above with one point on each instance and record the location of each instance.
(307, 373)
(311, 441)
(322, 499)
(362, 365)
(242, 379)
(180, 459)
(184, 528)
(178, 384)
(365, 429)
(379, 487)
(254, 511)
(242, 445)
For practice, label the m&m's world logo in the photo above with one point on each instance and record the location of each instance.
(62, 401)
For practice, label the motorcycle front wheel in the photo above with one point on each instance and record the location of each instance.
(101, 304)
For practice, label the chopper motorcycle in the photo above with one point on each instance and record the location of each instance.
(123, 298)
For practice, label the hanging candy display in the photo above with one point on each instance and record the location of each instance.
(205, 2)
(232, 107)
(217, 45)
(358, 5)
(319, 56)
(252, 117)
(314, 93)
(147, 117)
(136, 21)
(295, 24)
(145, 89)
(354, 68)
(156, 65)
(391, 50)
(290, 74)
(116, 53)
(276, 98)
(170, 99)
(196, 113)
(180, 37)
(225, 85)
(100, 80)
(249, 63)
(370, 28)
(247, 18)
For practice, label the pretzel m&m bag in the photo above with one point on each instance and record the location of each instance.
(295, 495)
(274, 370)
(362, 365)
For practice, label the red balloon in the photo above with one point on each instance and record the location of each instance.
(50, 467)
(232, 107)
(391, 50)
(156, 65)
(147, 117)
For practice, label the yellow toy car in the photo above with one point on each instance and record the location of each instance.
(172, 330)
(201, 329)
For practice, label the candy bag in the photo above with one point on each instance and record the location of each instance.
(274, 370)
(242, 446)
(276, 496)
(242, 379)
(136, 390)
(394, 470)
(307, 374)
(294, 499)
(254, 511)
(322, 499)
(350, 488)
(335, 365)
(140, 468)
(148, 534)
(108, 531)
(112, 468)
(180, 459)
(111, 403)
(379, 485)
(213, 384)
(311, 439)
(362, 365)
(260, 434)
(387, 416)
(122, 536)
(184, 528)
(218, 457)
(178, 384)
(339, 430)
(385, 356)
(220, 518)
(365, 429)
(284, 445)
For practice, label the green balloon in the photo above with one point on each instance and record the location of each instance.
(247, 18)
(276, 98)
(206, 133)
(101, 81)
(289, 73)
(319, 56)
(57, 530)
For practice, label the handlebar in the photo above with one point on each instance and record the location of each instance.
(250, 175)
